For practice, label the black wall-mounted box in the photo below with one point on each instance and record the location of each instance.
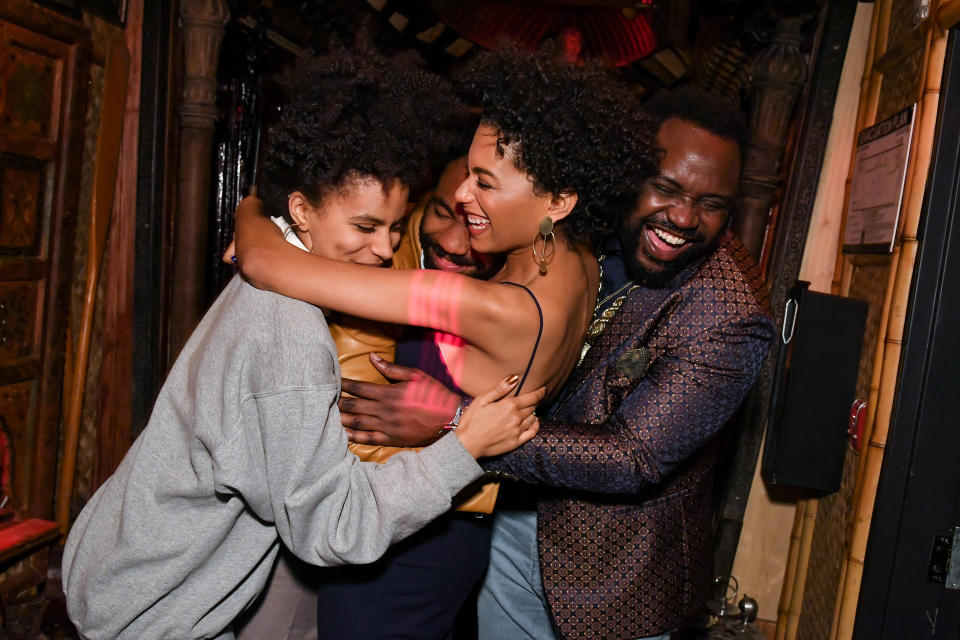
(814, 389)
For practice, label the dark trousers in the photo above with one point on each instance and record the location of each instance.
(415, 591)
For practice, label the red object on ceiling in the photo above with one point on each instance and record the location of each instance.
(601, 32)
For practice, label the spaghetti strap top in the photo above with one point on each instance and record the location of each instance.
(536, 344)
(419, 349)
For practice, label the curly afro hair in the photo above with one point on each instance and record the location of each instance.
(716, 114)
(356, 114)
(570, 128)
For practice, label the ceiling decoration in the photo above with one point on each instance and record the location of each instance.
(614, 34)
(655, 46)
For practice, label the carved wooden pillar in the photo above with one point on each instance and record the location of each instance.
(778, 76)
(202, 31)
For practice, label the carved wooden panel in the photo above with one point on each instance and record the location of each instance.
(43, 83)
(19, 319)
(31, 86)
(16, 422)
(21, 201)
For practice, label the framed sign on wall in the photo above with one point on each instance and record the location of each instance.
(876, 191)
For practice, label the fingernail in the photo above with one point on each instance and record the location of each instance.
(513, 379)
(374, 356)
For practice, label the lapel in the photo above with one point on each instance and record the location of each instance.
(632, 330)
(625, 339)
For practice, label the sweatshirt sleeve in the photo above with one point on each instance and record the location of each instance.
(289, 461)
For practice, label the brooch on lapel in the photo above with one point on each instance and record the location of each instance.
(634, 363)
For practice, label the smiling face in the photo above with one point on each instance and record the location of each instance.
(443, 230)
(360, 223)
(502, 210)
(682, 210)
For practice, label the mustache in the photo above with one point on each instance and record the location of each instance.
(460, 260)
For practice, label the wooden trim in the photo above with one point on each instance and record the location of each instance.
(202, 29)
(49, 23)
(116, 369)
(18, 539)
(156, 137)
(104, 185)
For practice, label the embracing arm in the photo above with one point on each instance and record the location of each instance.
(327, 506)
(688, 394)
(445, 301)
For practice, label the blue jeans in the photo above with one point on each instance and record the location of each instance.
(511, 603)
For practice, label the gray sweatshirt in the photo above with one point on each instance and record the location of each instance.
(244, 449)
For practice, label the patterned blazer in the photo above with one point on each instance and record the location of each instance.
(627, 552)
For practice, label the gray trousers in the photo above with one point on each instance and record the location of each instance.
(286, 610)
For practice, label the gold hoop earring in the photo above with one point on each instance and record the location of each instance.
(548, 245)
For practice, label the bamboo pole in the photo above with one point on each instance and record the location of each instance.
(790, 574)
(897, 301)
(808, 525)
(104, 182)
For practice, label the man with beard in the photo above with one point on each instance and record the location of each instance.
(612, 538)
(444, 239)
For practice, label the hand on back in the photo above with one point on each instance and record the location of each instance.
(407, 413)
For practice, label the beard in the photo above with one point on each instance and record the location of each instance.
(481, 269)
(665, 272)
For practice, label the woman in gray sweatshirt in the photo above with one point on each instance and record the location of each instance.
(244, 450)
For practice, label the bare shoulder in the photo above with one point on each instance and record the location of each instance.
(569, 290)
(565, 295)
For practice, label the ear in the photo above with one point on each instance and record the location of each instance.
(299, 207)
(561, 205)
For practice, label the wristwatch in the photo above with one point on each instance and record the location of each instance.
(455, 421)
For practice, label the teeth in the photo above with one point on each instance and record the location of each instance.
(669, 238)
(477, 220)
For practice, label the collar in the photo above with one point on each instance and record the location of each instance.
(291, 236)
(288, 233)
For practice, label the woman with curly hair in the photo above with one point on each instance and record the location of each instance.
(558, 154)
(244, 452)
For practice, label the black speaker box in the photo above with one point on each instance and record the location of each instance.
(814, 389)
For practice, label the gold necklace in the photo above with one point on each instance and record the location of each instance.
(600, 321)
(600, 303)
